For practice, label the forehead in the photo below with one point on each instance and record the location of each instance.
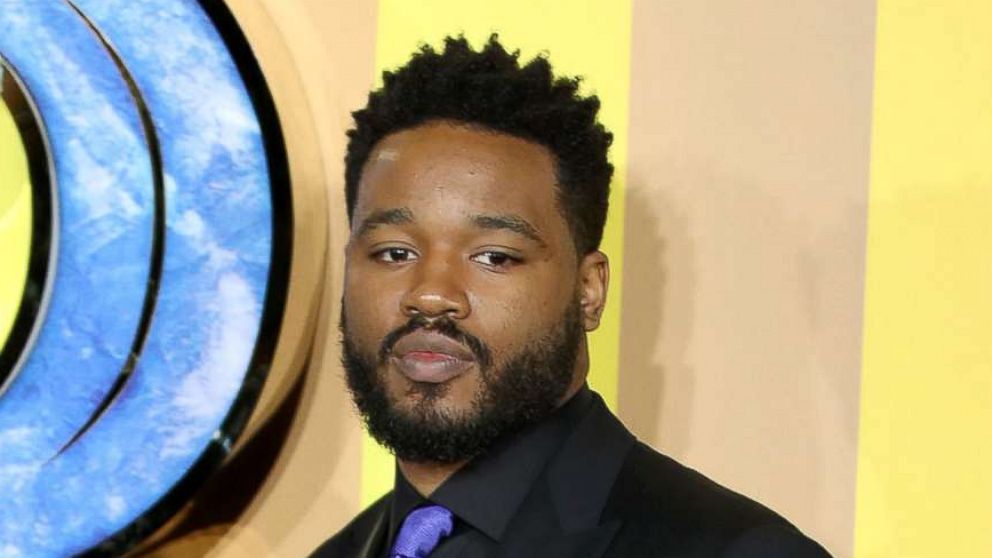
(458, 169)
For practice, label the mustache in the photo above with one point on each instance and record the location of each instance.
(443, 325)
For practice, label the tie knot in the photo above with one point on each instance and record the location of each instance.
(421, 532)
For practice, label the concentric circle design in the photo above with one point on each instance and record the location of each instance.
(168, 271)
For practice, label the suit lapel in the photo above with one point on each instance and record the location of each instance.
(377, 536)
(562, 516)
(582, 475)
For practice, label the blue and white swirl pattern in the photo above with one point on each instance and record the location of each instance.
(91, 67)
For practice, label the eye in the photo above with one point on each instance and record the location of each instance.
(394, 255)
(493, 258)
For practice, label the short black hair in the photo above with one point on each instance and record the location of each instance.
(490, 89)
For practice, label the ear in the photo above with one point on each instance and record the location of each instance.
(594, 280)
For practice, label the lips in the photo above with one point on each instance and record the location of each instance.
(427, 356)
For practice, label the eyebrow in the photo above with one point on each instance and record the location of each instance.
(512, 223)
(397, 216)
(403, 215)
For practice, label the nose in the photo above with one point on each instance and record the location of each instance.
(437, 290)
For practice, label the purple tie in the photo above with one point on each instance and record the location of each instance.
(421, 532)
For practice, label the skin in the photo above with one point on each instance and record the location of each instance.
(461, 221)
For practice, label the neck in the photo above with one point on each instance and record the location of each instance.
(427, 476)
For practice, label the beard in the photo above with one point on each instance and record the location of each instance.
(525, 389)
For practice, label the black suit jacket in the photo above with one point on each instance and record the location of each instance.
(606, 495)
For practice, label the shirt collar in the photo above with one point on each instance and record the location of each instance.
(405, 499)
(487, 491)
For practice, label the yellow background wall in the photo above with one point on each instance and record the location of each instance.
(924, 487)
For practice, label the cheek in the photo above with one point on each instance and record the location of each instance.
(514, 316)
(370, 306)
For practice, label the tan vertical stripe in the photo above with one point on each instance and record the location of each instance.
(744, 248)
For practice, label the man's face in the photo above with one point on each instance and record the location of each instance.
(463, 312)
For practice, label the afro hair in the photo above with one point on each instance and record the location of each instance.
(491, 90)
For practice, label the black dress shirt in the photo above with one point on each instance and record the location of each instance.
(485, 494)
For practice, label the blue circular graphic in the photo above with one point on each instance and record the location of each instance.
(167, 274)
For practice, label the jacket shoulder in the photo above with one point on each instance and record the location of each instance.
(353, 536)
(668, 507)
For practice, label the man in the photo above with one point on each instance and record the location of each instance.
(477, 194)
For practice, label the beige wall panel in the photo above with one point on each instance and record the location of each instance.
(300, 477)
(745, 234)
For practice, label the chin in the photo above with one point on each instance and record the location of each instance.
(436, 399)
